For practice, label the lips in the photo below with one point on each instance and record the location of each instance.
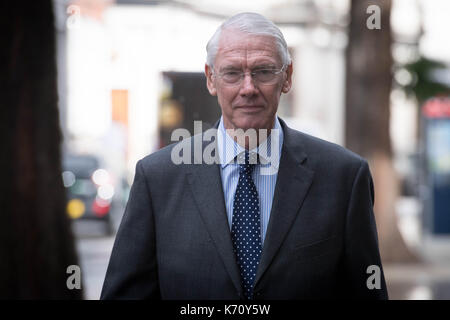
(249, 107)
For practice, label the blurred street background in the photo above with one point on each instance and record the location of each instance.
(108, 82)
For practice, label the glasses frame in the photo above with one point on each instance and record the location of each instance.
(252, 74)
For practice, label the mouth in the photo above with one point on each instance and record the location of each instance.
(249, 107)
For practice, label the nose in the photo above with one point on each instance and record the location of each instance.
(248, 87)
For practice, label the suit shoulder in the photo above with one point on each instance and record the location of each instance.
(161, 156)
(325, 151)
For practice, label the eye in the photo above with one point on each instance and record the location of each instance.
(231, 76)
(231, 73)
(263, 75)
(264, 71)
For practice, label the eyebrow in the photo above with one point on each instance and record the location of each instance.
(227, 68)
(256, 67)
(264, 66)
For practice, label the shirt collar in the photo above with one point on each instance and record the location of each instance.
(228, 149)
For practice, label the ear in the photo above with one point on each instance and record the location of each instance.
(287, 84)
(210, 81)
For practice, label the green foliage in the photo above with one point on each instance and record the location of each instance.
(424, 85)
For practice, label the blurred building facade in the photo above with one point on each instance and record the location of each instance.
(118, 97)
(121, 64)
(123, 50)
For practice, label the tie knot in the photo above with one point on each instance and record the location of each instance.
(247, 161)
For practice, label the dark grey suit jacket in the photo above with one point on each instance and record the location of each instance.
(174, 240)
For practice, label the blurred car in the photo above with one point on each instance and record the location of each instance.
(89, 189)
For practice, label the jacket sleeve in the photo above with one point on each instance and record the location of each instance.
(364, 277)
(132, 270)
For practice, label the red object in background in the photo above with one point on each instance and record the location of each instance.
(437, 108)
(100, 207)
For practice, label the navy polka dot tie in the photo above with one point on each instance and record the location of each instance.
(246, 227)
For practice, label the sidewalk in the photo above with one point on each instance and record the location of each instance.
(429, 280)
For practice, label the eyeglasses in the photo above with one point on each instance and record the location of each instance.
(265, 76)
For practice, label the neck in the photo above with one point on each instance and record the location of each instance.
(249, 138)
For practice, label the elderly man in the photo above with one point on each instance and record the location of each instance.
(230, 229)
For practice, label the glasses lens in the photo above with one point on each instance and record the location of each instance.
(231, 76)
(264, 76)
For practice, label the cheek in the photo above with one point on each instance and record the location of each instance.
(225, 98)
(272, 97)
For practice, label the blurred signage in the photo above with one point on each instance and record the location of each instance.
(438, 140)
(437, 108)
(437, 114)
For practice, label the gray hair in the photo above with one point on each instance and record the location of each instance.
(251, 23)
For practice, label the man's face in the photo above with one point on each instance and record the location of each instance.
(248, 104)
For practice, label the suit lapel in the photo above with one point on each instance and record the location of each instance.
(292, 186)
(293, 182)
(206, 186)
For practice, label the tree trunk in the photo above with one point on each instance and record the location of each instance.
(36, 244)
(368, 88)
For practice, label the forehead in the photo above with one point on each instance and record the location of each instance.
(247, 49)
